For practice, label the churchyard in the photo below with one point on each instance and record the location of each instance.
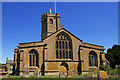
(105, 72)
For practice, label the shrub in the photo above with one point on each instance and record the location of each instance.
(105, 67)
(86, 75)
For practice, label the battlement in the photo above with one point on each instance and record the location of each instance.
(50, 23)
(51, 14)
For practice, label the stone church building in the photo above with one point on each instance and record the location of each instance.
(58, 51)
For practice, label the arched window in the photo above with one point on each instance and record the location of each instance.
(64, 51)
(51, 21)
(93, 59)
(33, 58)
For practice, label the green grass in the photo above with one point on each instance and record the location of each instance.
(52, 76)
(55, 77)
(11, 76)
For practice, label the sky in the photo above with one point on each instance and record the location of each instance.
(92, 22)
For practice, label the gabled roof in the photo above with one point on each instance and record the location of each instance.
(66, 31)
(58, 31)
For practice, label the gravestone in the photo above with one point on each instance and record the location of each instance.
(70, 73)
(62, 75)
(75, 72)
(25, 72)
(37, 73)
(103, 75)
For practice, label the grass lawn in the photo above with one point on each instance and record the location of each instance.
(56, 77)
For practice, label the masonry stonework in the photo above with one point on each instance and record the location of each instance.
(44, 56)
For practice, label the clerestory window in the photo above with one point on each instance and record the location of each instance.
(51, 21)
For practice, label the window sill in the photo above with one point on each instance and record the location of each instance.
(63, 59)
(93, 67)
(33, 67)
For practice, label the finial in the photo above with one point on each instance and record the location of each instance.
(50, 10)
(49, 7)
(62, 26)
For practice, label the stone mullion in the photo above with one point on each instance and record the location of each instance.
(61, 44)
(31, 59)
(58, 50)
(96, 61)
(34, 60)
(58, 55)
(90, 60)
(93, 60)
(61, 50)
(68, 49)
(65, 53)
(62, 54)
(67, 45)
(64, 50)
(68, 54)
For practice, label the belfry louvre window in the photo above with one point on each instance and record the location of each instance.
(93, 59)
(51, 21)
(33, 58)
(63, 46)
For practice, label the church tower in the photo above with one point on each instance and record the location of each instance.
(50, 23)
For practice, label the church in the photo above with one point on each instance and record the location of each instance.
(58, 51)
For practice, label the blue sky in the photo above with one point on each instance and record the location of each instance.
(92, 22)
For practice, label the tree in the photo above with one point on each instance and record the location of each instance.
(113, 55)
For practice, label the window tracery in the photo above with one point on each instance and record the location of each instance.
(92, 59)
(33, 58)
(63, 46)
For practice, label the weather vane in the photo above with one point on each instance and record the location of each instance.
(55, 6)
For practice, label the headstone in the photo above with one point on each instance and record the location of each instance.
(72, 73)
(103, 75)
(75, 72)
(25, 72)
(69, 73)
(62, 75)
(37, 73)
